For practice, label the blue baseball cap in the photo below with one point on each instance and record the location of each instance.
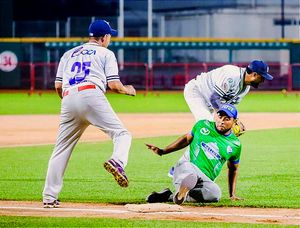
(261, 68)
(100, 28)
(229, 109)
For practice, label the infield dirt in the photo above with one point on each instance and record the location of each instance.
(20, 130)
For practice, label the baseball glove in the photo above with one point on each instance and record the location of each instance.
(238, 128)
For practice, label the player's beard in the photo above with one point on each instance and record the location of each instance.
(254, 84)
(222, 131)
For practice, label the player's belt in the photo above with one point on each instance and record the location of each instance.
(80, 88)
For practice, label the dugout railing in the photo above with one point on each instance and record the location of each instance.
(166, 76)
(162, 76)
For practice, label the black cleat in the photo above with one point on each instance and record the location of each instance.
(54, 204)
(160, 197)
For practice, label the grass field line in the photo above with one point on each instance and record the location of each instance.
(118, 211)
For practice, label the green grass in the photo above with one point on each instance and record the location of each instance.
(13, 221)
(269, 172)
(49, 103)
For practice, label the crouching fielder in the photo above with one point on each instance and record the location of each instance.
(228, 84)
(211, 144)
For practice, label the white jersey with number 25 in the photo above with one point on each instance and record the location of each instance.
(87, 62)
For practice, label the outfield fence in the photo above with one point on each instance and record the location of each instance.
(161, 76)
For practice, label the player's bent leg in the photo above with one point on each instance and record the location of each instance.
(103, 116)
(122, 142)
(115, 166)
(205, 192)
(186, 185)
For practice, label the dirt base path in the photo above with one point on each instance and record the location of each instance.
(42, 129)
(188, 213)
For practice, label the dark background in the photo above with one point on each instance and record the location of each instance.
(61, 9)
(43, 10)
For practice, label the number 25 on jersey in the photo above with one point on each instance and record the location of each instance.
(79, 68)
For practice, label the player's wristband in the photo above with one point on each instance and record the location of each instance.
(161, 152)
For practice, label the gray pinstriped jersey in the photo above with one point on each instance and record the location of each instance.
(227, 81)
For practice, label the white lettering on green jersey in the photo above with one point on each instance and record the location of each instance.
(209, 150)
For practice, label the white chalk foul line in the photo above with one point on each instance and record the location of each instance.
(117, 211)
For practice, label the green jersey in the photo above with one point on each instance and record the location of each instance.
(209, 150)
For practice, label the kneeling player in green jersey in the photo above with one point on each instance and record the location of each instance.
(211, 144)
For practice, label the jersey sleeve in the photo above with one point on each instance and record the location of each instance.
(111, 67)
(235, 158)
(225, 85)
(195, 127)
(59, 73)
(241, 96)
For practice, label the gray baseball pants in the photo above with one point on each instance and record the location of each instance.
(200, 109)
(79, 109)
(205, 190)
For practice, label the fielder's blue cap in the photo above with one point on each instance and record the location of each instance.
(230, 110)
(100, 28)
(261, 68)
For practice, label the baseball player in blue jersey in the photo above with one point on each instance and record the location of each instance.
(83, 75)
